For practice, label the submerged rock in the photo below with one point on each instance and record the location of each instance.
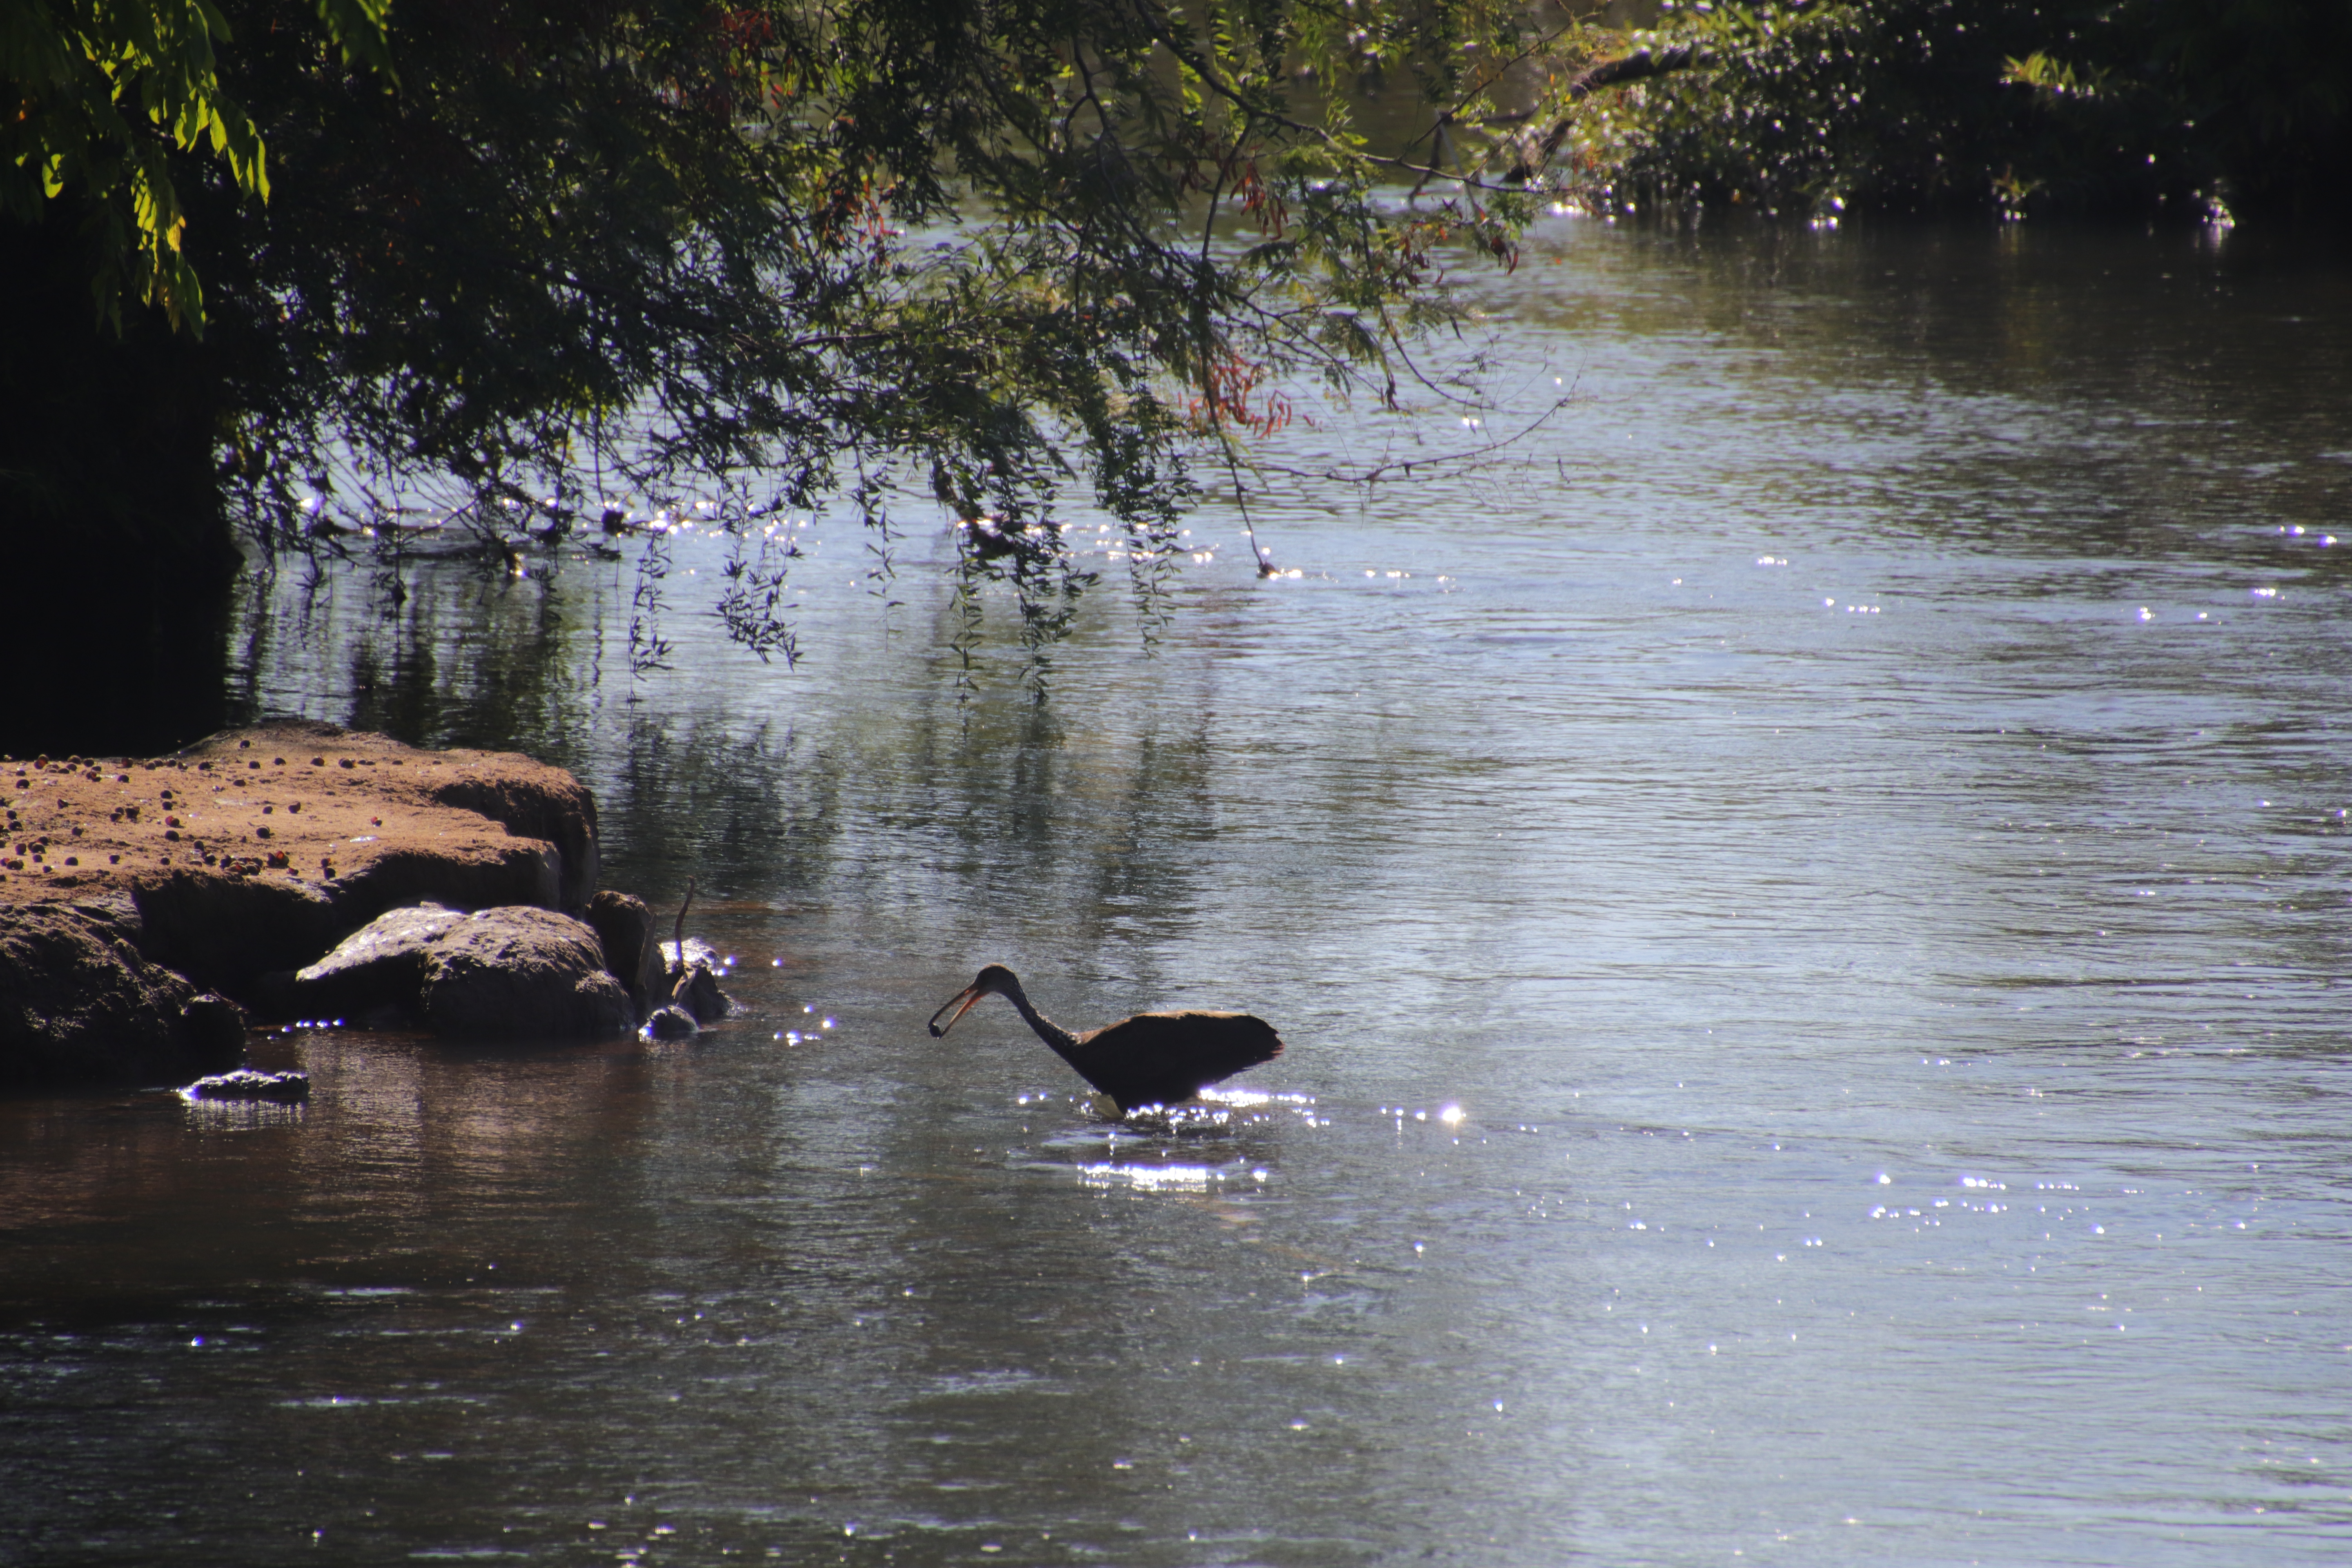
(515, 972)
(670, 1023)
(244, 1083)
(689, 979)
(81, 1005)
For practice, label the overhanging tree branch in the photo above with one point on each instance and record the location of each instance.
(1639, 66)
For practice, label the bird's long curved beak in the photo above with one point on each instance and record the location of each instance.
(961, 1001)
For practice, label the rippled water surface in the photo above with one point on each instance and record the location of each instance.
(1807, 901)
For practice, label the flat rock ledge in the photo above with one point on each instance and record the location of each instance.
(259, 849)
(147, 905)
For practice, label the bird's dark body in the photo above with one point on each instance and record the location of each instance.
(1152, 1058)
(1160, 1058)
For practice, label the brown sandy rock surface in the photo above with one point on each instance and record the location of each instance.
(259, 849)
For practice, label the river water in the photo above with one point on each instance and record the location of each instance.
(1807, 899)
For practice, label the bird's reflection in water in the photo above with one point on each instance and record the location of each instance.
(1192, 1118)
(1214, 1112)
(1171, 1176)
(1200, 1147)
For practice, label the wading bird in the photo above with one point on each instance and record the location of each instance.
(1152, 1058)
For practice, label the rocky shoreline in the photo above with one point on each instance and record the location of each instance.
(151, 910)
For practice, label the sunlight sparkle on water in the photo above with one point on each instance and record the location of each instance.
(1152, 1178)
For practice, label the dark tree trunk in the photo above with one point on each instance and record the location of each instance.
(119, 556)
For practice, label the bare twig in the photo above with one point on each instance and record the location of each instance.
(678, 941)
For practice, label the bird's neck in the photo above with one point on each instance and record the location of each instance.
(1052, 1033)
